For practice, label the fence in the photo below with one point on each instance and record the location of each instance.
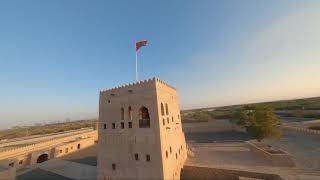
(300, 129)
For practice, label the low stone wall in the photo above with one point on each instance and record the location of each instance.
(317, 121)
(300, 129)
(280, 158)
(37, 138)
(214, 126)
(206, 173)
(52, 142)
(21, 157)
(71, 147)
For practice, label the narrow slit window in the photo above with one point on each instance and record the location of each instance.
(130, 113)
(130, 124)
(136, 157)
(148, 158)
(122, 114)
(113, 125)
(122, 125)
(113, 166)
(162, 110)
(167, 110)
(104, 126)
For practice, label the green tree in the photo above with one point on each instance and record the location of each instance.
(259, 121)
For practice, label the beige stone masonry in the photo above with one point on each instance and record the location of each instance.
(140, 132)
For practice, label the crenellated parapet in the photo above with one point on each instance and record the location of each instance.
(139, 84)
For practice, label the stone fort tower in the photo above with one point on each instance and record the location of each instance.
(140, 132)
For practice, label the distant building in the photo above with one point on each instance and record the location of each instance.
(140, 132)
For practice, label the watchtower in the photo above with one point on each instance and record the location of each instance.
(140, 132)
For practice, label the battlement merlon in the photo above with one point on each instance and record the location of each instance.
(152, 82)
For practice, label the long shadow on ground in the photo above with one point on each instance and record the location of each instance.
(91, 160)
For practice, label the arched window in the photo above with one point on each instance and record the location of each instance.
(122, 114)
(167, 110)
(144, 118)
(130, 113)
(162, 110)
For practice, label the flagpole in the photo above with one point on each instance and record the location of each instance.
(136, 65)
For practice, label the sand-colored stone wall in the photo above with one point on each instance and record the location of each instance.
(70, 147)
(21, 157)
(171, 132)
(37, 138)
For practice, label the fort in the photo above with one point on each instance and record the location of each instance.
(140, 132)
(140, 135)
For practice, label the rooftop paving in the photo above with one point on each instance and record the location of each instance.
(39, 174)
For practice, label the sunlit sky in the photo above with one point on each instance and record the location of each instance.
(56, 55)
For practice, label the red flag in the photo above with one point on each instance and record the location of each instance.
(140, 44)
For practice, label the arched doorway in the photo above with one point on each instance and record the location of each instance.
(42, 158)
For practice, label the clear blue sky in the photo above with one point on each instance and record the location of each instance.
(56, 55)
